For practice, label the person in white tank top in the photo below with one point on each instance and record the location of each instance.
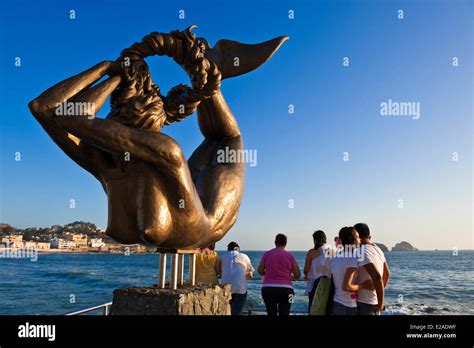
(317, 264)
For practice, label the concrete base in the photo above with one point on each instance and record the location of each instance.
(186, 300)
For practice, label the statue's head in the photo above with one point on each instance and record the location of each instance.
(138, 103)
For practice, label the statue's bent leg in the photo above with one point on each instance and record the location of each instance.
(218, 177)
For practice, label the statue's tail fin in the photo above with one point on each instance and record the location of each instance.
(234, 58)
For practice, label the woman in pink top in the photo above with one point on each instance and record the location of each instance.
(278, 268)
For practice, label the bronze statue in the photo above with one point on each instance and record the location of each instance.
(154, 195)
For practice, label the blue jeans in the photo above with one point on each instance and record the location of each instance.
(365, 309)
(237, 303)
(340, 309)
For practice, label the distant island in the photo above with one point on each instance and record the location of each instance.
(404, 246)
(76, 237)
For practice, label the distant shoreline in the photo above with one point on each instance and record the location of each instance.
(76, 252)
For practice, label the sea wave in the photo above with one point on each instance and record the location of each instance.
(417, 309)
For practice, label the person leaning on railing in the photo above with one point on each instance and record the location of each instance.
(235, 269)
(278, 268)
(207, 265)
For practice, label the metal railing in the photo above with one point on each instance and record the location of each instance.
(260, 278)
(104, 307)
(250, 310)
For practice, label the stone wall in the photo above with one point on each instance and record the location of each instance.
(186, 300)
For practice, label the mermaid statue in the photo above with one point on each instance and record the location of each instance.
(156, 196)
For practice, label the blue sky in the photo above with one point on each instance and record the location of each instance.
(300, 155)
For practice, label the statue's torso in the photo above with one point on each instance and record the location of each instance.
(143, 209)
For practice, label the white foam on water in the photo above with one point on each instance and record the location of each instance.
(415, 309)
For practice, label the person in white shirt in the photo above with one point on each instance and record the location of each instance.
(316, 265)
(235, 268)
(344, 273)
(373, 266)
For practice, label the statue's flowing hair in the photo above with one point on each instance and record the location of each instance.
(138, 102)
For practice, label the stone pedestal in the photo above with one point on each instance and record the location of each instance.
(186, 300)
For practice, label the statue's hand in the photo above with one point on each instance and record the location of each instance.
(191, 57)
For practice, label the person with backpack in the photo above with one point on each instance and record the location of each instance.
(316, 265)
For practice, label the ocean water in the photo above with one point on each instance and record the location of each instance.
(426, 282)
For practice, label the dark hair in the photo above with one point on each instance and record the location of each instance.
(319, 238)
(362, 229)
(233, 246)
(347, 235)
(280, 240)
(138, 103)
(211, 246)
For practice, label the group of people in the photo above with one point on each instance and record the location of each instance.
(357, 267)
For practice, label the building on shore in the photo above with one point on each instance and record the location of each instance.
(113, 248)
(79, 239)
(96, 243)
(13, 241)
(17, 242)
(40, 246)
(43, 246)
(60, 243)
